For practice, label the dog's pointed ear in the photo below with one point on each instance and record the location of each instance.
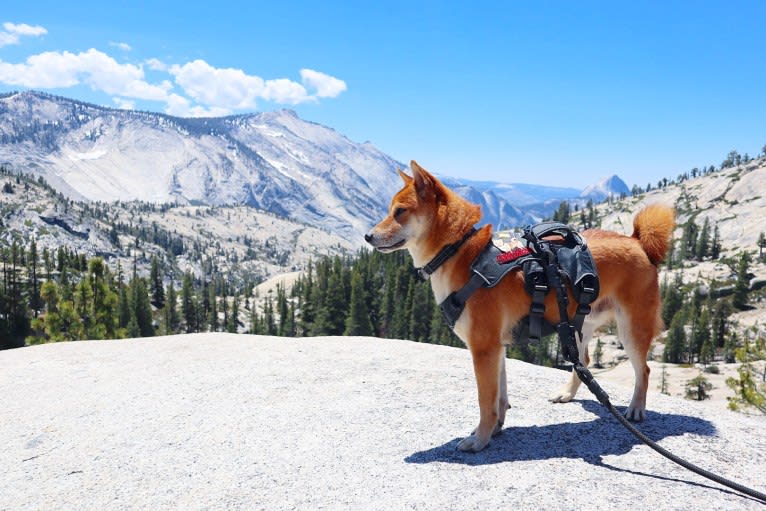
(424, 182)
(407, 179)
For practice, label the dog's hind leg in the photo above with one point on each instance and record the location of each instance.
(487, 359)
(636, 337)
(567, 392)
(503, 404)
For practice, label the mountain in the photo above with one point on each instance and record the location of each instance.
(496, 209)
(244, 243)
(611, 186)
(522, 194)
(540, 201)
(272, 161)
(729, 199)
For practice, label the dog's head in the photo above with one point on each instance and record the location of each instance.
(422, 208)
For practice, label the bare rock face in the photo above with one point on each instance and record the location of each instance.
(247, 422)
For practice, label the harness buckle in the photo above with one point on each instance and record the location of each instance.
(422, 274)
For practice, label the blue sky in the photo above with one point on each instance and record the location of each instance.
(556, 93)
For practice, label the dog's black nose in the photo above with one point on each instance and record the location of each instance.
(368, 238)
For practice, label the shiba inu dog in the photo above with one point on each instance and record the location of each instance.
(425, 216)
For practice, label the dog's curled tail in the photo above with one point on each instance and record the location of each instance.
(653, 228)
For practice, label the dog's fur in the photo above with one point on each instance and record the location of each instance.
(424, 216)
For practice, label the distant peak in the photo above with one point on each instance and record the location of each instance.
(288, 112)
(611, 185)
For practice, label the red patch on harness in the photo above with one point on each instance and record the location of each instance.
(507, 257)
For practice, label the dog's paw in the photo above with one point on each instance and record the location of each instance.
(635, 414)
(496, 431)
(563, 395)
(472, 443)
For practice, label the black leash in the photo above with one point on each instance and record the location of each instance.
(567, 331)
(587, 378)
(566, 334)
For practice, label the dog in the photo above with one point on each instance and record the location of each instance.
(425, 216)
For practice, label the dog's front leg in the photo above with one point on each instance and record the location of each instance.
(486, 365)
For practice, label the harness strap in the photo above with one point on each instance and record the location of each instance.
(445, 253)
(454, 304)
(536, 312)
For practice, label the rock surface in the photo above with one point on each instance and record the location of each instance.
(219, 421)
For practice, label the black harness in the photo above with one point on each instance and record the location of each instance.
(554, 255)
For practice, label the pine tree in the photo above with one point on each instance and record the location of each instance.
(123, 306)
(290, 324)
(400, 318)
(664, 380)
(358, 319)
(742, 284)
(224, 303)
(155, 277)
(672, 299)
(697, 388)
(255, 322)
(269, 324)
(331, 313)
(562, 213)
(35, 302)
(388, 304)
(598, 354)
(675, 341)
(306, 289)
(748, 392)
(232, 324)
(702, 247)
(172, 320)
(142, 309)
(420, 316)
(715, 245)
(701, 335)
(720, 322)
(730, 347)
(212, 308)
(187, 303)
(688, 240)
(283, 311)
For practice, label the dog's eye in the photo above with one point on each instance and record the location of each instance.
(399, 212)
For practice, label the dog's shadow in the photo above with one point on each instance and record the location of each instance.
(589, 441)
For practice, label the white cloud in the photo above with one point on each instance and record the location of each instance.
(12, 32)
(122, 46)
(283, 90)
(234, 89)
(193, 89)
(181, 107)
(326, 86)
(24, 29)
(94, 68)
(156, 64)
(223, 87)
(8, 39)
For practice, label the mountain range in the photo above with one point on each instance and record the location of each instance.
(273, 161)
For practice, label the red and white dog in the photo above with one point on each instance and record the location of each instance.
(425, 216)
